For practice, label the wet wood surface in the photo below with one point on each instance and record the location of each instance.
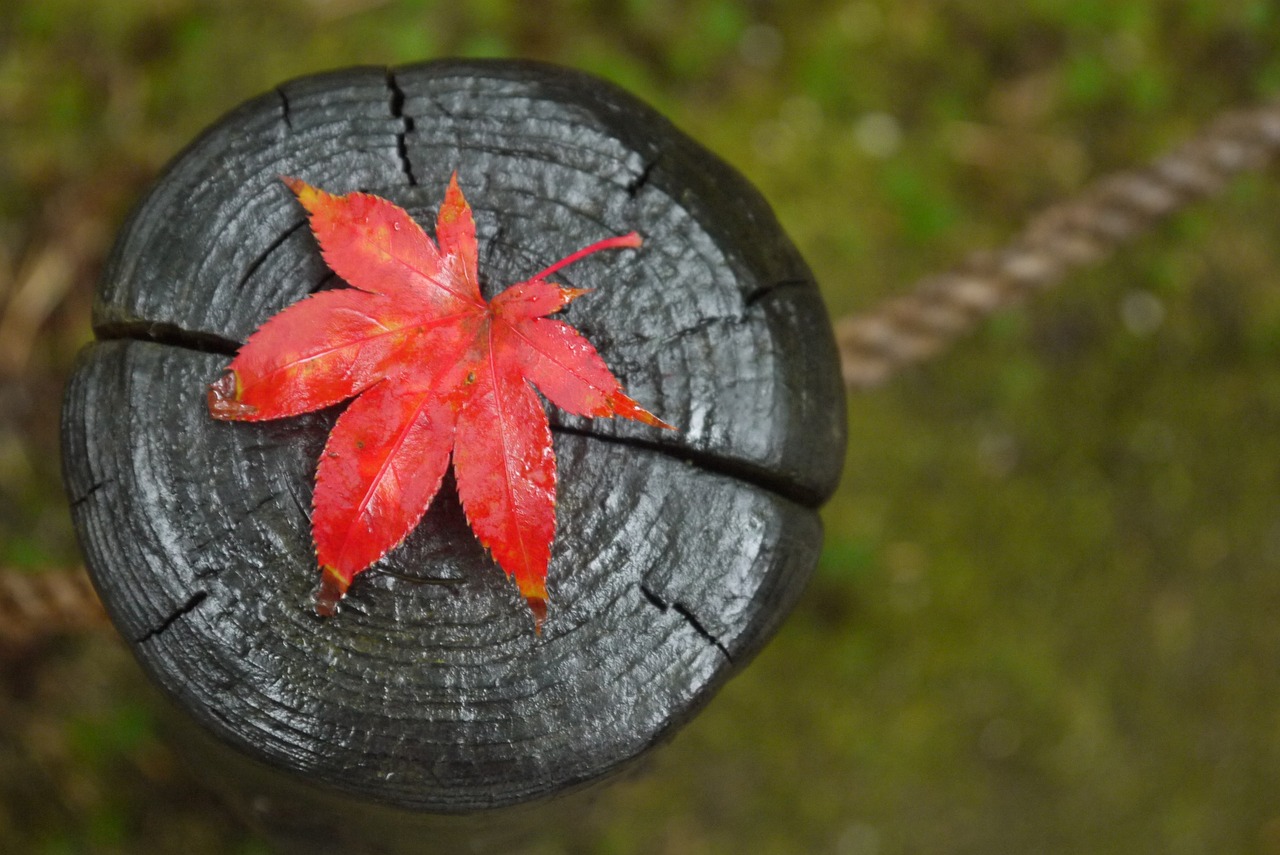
(677, 553)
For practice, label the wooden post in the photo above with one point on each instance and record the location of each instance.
(677, 556)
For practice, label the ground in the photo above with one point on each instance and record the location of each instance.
(1045, 617)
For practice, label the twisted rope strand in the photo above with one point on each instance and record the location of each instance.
(37, 605)
(1112, 211)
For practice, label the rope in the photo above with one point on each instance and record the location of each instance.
(899, 332)
(34, 606)
(1109, 213)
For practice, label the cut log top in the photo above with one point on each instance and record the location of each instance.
(677, 553)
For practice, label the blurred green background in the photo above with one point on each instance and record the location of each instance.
(1046, 618)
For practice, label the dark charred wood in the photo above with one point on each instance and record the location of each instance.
(677, 554)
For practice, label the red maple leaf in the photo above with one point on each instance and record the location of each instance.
(437, 369)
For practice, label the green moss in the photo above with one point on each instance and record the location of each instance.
(1044, 619)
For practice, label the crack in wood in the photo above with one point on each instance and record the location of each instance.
(685, 612)
(438, 104)
(407, 126)
(163, 332)
(266, 253)
(770, 482)
(93, 488)
(193, 602)
(636, 184)
(303, 507)
(779, 484)
(285, 109)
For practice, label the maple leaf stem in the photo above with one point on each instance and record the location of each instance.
(537, 605)
(333, 587)
(630, 240)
